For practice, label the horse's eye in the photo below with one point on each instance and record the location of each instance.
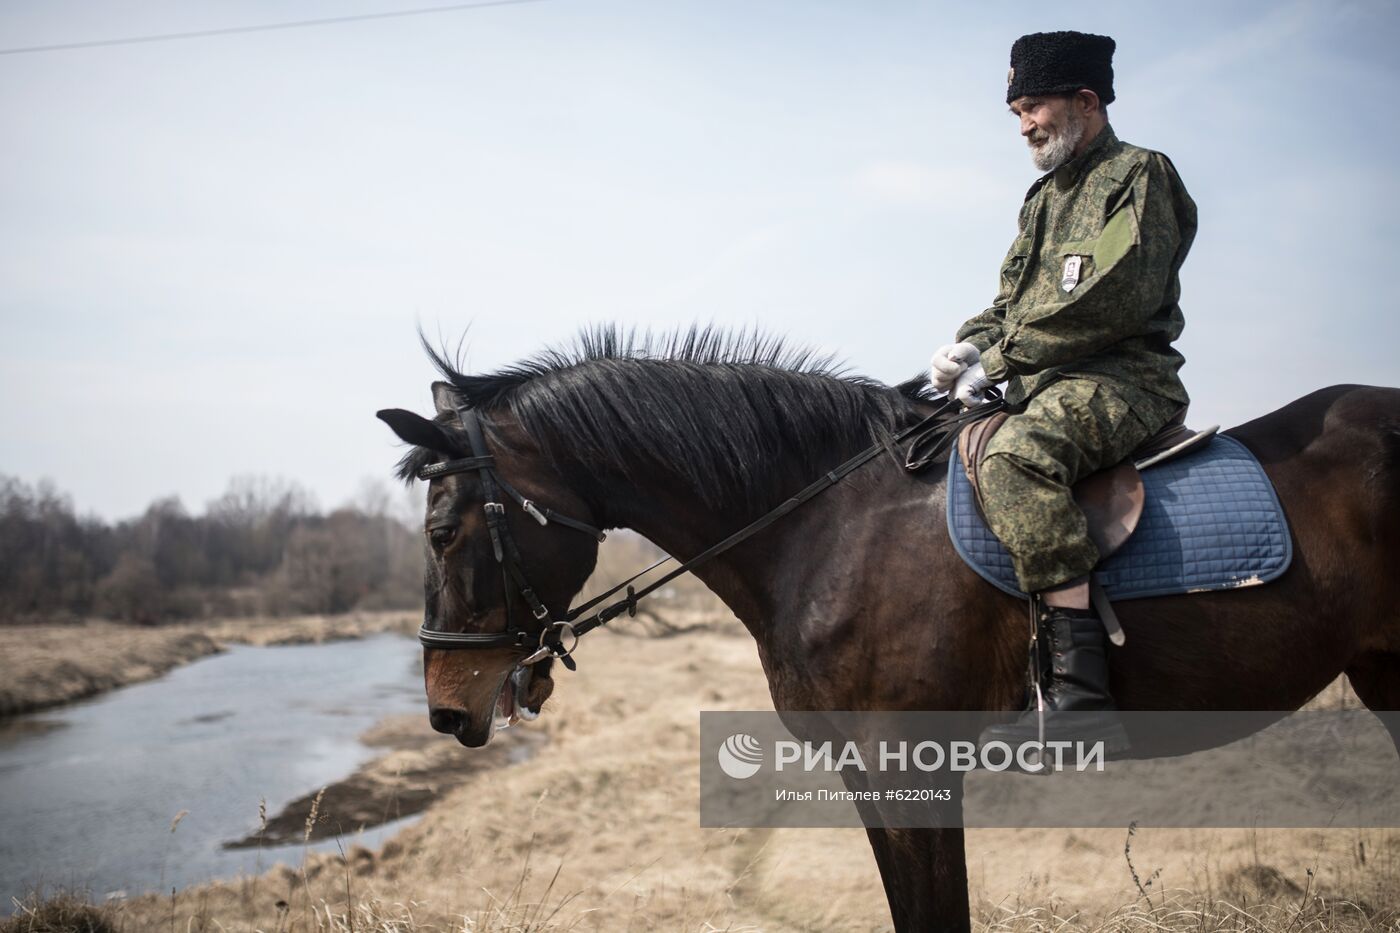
(442, 537)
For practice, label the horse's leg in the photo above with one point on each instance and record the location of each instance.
(1375, 676)
(925, 876)
(889, 876)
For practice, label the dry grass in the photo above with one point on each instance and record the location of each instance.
(61, 913)
(347, 892)
(599, 832)
(47, 665)
(315, 629)
(1233, 885)
(1185, 911)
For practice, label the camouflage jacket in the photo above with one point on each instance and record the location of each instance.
(1090, 285)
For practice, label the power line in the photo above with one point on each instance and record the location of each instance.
(266, 27)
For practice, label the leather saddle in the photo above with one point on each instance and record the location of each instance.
(1112, 499)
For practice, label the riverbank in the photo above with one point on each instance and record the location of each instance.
(42, 666)
(599, 831)
(415, 769)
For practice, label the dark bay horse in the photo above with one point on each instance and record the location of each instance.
(857, 601)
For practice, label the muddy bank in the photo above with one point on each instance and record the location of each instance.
(419, 768)
(47, 665)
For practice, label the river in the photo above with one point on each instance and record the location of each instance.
(89, 792)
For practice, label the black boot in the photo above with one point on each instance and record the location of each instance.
(1074, 682)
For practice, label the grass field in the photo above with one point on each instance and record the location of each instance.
(598, 831)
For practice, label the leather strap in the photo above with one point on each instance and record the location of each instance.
(431, 638)
(447, 467)
(1099, 598)
(930, 441)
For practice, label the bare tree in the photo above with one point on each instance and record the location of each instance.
(259, 546)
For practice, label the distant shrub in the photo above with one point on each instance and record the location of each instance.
(131, 592)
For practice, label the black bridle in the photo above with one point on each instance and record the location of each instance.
(548, 639)
(928, 439)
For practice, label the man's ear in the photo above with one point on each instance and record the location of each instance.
(1087, 101)
(417, 430)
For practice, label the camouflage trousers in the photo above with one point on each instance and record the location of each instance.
(1070, 429)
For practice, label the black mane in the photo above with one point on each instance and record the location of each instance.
(726, 412)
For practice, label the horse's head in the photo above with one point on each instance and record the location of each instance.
(491, 592)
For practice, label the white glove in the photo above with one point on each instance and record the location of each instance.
(949, 362)
(972, 385)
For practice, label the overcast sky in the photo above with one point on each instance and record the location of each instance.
(214, 252)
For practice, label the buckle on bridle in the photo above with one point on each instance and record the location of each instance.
(533, 511)
(553, 648)
(558, 640)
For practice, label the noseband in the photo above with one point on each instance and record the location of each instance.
(928, 438)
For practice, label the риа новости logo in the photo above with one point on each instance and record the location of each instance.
(740, 756)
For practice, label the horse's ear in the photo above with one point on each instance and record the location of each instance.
(447, 397)
(416, 430)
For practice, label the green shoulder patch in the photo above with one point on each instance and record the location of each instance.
(1119, 235)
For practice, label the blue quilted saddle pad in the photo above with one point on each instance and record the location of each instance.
(1211, 522)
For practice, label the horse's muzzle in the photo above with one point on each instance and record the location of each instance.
(458, 724)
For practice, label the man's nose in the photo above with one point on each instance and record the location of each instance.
(1026, 125)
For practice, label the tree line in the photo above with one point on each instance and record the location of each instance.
(262, 548)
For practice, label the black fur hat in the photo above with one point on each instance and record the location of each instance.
(1060, 62)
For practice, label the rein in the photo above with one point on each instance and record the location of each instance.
(929, 438)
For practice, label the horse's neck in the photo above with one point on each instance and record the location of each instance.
(808, 561)
(683, 527)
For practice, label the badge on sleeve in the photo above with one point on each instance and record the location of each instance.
(1071, 276)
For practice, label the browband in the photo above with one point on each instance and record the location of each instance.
(448, 467)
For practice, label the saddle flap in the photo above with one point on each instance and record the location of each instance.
(972, 446)
(1112, 500)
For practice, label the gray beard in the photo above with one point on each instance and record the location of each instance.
(1061, 146)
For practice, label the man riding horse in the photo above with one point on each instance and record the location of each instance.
(1081, 329)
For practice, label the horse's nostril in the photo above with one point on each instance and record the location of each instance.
(448, 721)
